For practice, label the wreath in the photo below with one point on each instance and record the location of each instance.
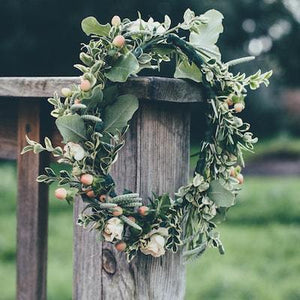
(93, 119)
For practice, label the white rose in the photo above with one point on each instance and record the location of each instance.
(155, 246)
(75, 151)
(113, 229)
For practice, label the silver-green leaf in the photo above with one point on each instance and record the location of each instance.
(186, 70)
(220, 195)
(90, 25)
(125, 66)
(117, 115)
(71, 128)
(208, 34)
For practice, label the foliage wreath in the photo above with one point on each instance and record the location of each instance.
(93, 120)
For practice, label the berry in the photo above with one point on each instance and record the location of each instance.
(66, 92)
(61, 193)
(143, 210)
(90, 194)
(87, 179)
(102, 198)
(120, 246)
(119, 41)
(77, 101)
(232, 172)
(240, 178)
(238, 107)
(85, 85)
(117, 211)
(229, 101)
(238, 168)
(131, 218)
(115, 21)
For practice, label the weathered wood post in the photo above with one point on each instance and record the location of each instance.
(32, 207)
(155, 159)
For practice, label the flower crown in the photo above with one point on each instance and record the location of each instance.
(93, 119)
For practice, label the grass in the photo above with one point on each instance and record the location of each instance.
(281, 146)
(261, 238)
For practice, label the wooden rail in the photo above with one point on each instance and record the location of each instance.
(155, 159)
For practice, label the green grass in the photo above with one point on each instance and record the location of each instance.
(281, 146)
(261, 238)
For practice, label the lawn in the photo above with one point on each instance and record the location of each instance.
(261, 237)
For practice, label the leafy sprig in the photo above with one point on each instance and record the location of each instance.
(93, 120)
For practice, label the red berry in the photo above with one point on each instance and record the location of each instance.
(61, 193)
(229, 101)
(115, 21)
(119, 41)
(143, 210)
(238, 107)
(232, 172)
(240, 178)
(102, 198)
(120, 246)
(85, 85)
(131, 218)
(90, 194)
(86, 179)
(117, 211)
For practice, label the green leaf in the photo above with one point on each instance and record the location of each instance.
(208, 34)
(117, 115)
(90, 25)
(94, 99)
(220, 195)
(186, 70)
(110, 95)
(163, 205)
(71, 128)
(125, 65)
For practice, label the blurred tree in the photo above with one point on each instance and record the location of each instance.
(42, 37)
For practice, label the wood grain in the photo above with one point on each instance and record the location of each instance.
(149, 88)
(155, 159)
(32, 208)
(8, 129)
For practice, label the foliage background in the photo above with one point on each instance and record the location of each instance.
(42, 38)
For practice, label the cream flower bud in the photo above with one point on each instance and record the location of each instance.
(155, 246)
(113, 229)
(73, 150)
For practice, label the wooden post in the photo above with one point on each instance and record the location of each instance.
(155, 159)
(32, 210)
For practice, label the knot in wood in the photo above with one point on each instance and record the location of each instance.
(109, 263)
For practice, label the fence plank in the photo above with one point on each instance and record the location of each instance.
(155, 159)
(8, 129)
(149, 88)
(32, 209)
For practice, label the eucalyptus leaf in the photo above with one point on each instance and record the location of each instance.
(117, 115)
(71, 128)
(90, 25)
(186, 70)
(94, 99)
(220, 195)
(208, 34)
(125, 66)
(164, 204)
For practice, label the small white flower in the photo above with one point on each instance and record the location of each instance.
(155, 246)
(73, 150)
(150, 25)
(113, 229)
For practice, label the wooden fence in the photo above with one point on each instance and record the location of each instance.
(155, 159)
